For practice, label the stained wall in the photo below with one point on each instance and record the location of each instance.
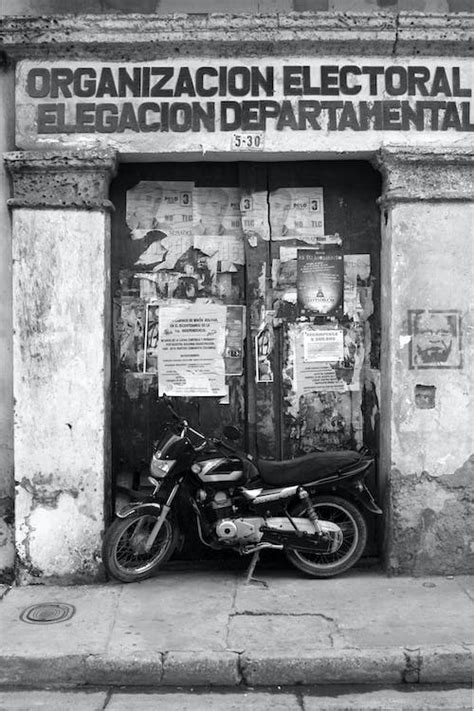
(161, 7)
(7, 550)
(431, 487)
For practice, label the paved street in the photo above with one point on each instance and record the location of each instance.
(408, 698)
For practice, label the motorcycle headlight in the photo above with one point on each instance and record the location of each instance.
(160, 467)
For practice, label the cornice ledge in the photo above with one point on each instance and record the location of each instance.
(425, 174)
(144, 37)
(61, 179)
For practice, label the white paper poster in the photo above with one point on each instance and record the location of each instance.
(323, 345)
(191, 350)
(315, 375)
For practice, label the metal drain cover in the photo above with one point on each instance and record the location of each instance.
(47, 613)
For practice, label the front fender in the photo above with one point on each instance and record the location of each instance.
(141, 506)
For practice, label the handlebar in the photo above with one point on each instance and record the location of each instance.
(187, 427)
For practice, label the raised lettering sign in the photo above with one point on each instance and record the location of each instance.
(239, 105)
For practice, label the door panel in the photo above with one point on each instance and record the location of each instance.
(137, 413)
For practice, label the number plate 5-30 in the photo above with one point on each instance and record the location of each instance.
(247, 141)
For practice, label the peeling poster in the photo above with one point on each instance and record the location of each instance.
(191, 350)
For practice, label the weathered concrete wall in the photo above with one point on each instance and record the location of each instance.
(431, 489)
(7, 550)
(160, 7)
(61, 293)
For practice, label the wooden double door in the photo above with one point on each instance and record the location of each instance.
(286, 396)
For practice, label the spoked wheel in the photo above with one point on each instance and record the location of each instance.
(123, 551)
(354, 537)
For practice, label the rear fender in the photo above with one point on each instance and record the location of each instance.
(361, 493)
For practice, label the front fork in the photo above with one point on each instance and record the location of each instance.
(161, 519)
(312, 515)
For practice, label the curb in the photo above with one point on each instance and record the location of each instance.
(447, 664)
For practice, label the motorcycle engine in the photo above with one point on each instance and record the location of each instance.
(239, 530)
(231, 529)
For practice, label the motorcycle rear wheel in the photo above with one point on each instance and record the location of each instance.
(354, 530)
(123, 550)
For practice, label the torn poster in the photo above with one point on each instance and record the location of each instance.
(159, 214)
(130, 329)
(319, 282)
(228, 250)
(216, 211)
(160, 205)
(150, 359)
(254, 211)
(297, 213)
(191, 350)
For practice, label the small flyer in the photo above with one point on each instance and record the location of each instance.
(234, 340)
(254, 211)
(356, 274)
(191, 350)
(320, 279)
(263, 348)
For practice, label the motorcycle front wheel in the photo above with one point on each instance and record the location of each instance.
(123, 551)
(354, 531)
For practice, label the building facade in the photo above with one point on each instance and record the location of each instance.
(269, 216)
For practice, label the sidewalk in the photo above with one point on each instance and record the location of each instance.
(198, 628)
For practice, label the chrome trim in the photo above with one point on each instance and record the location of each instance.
(275, 494)
(131, 508)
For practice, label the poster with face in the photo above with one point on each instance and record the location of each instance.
(159, 215)
(160, 205)
(297, 213)
(216, 211)
(435, 339)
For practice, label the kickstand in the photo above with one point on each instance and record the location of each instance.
(249, 577)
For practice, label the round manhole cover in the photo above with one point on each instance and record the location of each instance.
(47, 613)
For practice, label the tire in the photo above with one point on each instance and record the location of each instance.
(122, 550)
(354, 529)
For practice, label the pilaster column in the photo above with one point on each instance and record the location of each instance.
(427, 357)
(61, 294)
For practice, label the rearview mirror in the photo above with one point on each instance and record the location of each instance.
(231, 432)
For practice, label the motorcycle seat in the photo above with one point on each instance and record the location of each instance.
(311, 467)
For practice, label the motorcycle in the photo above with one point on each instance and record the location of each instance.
(309, 507)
